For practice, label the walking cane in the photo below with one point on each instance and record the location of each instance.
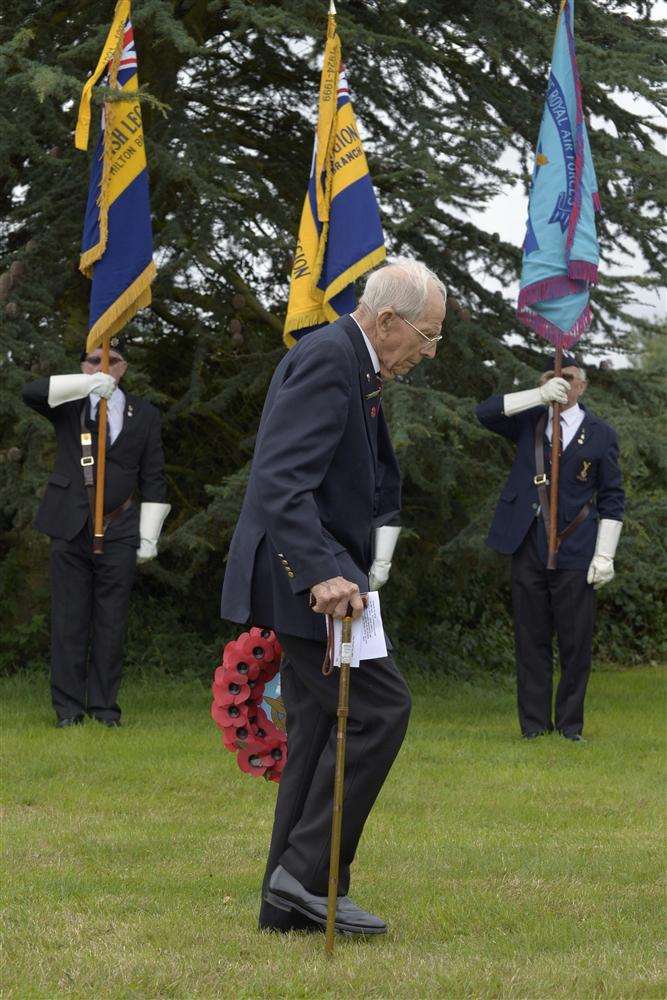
(339, 780)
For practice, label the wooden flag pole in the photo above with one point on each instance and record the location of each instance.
(555, 469)
(339, 780)
(98, 536)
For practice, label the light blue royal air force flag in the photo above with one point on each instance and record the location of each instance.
(117, 245)
(340, 235)
(560, 252)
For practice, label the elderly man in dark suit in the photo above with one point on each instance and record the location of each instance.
(90, 593)
(590, 516)
(324, 487)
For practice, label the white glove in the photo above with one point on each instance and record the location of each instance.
(555, 390)
(601, 569)
(66, 388)
(385, 543)
(151, 519)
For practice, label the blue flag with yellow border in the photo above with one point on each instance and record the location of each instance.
(560, 251)
(117, 245)
(340, 235)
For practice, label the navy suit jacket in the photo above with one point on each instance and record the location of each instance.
(135, 462)
(323, 475)
(589, 473)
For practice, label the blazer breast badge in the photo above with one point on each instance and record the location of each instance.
(582, 475)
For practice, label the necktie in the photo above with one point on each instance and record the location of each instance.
(548, 442)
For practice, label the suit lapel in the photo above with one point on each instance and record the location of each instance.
(128, 409)
(367, 382)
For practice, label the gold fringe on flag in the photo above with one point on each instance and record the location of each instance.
(121, 311)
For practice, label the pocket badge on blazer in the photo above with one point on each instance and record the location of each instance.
(582, 475)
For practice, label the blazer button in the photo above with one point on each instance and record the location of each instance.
(534, 506)
(290, 573)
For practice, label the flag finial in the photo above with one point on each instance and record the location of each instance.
(332, 9)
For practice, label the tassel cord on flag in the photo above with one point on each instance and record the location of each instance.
(111, 47)
(93, 254)
(326, 136)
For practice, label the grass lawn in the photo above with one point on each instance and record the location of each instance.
(504, 868)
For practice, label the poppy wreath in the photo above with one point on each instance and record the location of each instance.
(248, 664)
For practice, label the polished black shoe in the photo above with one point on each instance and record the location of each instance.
(280, 921)
(286, 893)
(573, 737)
(72, 720)
(109, 723)
(533, 736)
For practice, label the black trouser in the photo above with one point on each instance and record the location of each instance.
(547, 601)
(378, 719)
(89, 601)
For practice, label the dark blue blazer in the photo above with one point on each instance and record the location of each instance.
(135, 463)
(323, 475)
(589, 473)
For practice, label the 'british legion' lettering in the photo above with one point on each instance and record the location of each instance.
(300, 267)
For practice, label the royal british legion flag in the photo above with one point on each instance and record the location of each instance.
(117, 245)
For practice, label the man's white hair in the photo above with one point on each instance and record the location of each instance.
(401, 284)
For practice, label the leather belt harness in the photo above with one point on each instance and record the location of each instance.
(87, 464)
(542, 482)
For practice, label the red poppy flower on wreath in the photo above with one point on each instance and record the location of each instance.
(237, 660)
(230, 715)
(264, 639)
(278, 763)
(229, 739)
(252, 763)
(230, 693)
(248, 664)
(256, 693)
(255, 648)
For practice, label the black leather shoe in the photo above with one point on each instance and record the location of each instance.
(574, 737)
(73, 720)
(286, 893)
(109, 723)
(533, 736)
(271, 918)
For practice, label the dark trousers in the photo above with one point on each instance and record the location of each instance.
(89, 601)
(547, 601)
(379, 712)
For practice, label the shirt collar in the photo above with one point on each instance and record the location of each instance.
(375, 361)
(572, 414)
(116, 401)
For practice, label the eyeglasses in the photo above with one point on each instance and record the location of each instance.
(429, 340)
(98, 361)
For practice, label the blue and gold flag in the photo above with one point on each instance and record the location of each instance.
(340, 236)
(117, 245)
(560, 252)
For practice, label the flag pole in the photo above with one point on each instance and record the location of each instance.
(339, 780)
(555, 469)
(98, 536)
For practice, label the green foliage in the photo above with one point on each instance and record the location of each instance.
(441, 94)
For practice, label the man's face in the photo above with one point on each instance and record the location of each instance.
(577, 384)
(93, 363)
(400, 347)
